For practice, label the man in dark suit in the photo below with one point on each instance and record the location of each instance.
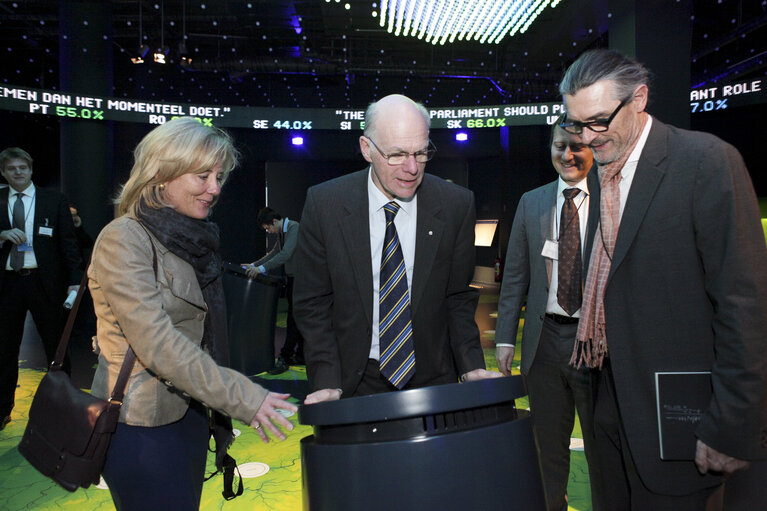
(280, 258)
(421, 224)
(550, 223)
(676, 282)
(40, 258)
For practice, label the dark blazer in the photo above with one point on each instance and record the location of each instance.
(333, 294)
(58, 255)
(687, 291)
(526, 272)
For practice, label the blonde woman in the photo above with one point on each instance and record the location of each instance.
(155, 279)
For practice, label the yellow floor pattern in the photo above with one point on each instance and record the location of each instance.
(279, 489)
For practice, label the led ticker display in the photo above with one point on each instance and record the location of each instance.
(97, 109)
(721, 97)
(74, 106)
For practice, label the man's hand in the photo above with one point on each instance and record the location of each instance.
(321, 395)
(15, 236)
(504, 355)
(480, 374)
(252, 271)
(267, 416)
(711, 460)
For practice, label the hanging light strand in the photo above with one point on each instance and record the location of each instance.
(442, 21)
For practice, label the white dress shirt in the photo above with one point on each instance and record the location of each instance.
(629, 169)
(29, 221)
(405, 222)
(582, 204)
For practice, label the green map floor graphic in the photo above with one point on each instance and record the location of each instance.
(271, 472)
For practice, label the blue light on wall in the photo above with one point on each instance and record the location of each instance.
(462, 136)
(298, 141)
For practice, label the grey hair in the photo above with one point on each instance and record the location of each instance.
(594, 65)
(372, 112)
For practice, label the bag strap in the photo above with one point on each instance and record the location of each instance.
(130, 356)
(61, 350)
(230, 465)
(118, 392)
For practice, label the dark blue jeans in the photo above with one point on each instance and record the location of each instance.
(161, 467)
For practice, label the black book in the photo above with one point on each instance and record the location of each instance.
(682, 399)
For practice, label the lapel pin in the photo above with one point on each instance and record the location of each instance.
(430, 233)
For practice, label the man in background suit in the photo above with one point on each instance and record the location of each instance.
(346, 225)
(676, 281)
(280, 257)
(40, 258)
(537, 266)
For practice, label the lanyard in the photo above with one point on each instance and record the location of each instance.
(28, 209)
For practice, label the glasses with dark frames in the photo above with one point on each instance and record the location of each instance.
(402, 157)
(597, 126)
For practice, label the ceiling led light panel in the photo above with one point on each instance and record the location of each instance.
(445, 21)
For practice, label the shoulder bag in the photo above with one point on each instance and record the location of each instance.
(68, 432)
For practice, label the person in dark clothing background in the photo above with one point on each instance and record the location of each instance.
(279, 259)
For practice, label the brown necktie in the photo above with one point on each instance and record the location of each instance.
(570, 268)
(17, 256)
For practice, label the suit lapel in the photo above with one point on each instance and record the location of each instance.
(5, 222)
(429, 230)
(39, 213)
(647, 177)
(548, 209)
(356, 239)
(593, 221)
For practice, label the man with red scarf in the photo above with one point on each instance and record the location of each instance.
(676, 282)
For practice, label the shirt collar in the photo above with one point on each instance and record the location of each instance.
(29, 191)
(629, 168)
(285, 224)
(637, 152)
(581, 185)
(377, 200)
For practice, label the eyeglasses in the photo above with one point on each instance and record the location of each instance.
(597, 126)
(402, 157)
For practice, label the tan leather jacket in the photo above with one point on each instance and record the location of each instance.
(163, 321)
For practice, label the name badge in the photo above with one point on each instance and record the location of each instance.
(45, 231)
(550, 250)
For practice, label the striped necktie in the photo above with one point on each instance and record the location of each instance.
(17, 256)
(395, 330)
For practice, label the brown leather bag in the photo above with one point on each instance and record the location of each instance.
(68, 432)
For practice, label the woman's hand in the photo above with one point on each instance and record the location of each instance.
(267, 417)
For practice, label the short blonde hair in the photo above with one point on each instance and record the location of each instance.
(180, 146)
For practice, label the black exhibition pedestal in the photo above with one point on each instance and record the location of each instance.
(456, 446)
(251, 310)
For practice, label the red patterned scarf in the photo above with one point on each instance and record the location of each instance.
(590, 341)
